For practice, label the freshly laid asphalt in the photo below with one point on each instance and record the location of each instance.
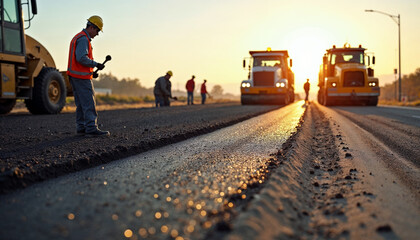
(170, 191)
(39, 147)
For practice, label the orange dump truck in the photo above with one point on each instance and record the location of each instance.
(346, 77)
(270, 81)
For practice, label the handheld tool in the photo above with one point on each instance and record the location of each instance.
(107, 58)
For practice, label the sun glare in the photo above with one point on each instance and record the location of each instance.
(306, 48)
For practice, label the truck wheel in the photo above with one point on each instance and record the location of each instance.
(244, 101)
(373, 101)
(292, 98)
(327, 101)
(6, 105)
(320, 99)
(49, 93)
(286, 99)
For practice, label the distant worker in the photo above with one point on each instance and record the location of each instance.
(204, 92)
(190, 90)
(80, 72)
(162, 90)
(306, 87)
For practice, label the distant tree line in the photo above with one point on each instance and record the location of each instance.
(410, 88)
(218, 92)
(133, 88)
(125, 86)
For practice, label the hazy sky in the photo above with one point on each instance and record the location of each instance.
(210, 38)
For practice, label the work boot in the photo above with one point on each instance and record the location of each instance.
(98, 133)
(81, 132)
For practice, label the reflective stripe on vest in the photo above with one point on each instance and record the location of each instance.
(74, 68)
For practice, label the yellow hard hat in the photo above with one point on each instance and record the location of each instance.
(97, 21)
(170, 73)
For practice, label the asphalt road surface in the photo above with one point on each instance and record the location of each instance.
(39, 147)
(165, 192)
(406, 115)
(352, 174)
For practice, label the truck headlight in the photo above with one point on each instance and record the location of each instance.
(334, 84)
(372, 84)
(280, 84)
(245, 85)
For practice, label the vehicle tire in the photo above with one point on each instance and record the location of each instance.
(327, 100)
(243, 101)
(320, 97)
(6, 105)
(373, 101)
(292, 97)
(49, 93)
(286, 99)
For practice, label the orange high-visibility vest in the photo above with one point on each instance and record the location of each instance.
(74, 68)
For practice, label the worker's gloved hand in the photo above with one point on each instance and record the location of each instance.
(100, 66)
(175, 98)
(95, 75)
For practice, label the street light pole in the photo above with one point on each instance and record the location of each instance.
(397, 20)
(399, 58)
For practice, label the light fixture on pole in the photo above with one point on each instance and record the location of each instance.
(397, 20)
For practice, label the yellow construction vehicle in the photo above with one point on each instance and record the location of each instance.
(346, 77)
(27, 69)
(271, 81)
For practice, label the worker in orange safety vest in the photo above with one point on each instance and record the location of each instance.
(80, 72)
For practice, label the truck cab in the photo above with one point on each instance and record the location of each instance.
(270, 80)
(347, 77)
(12, 48)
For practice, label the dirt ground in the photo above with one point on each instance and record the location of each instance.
(39, 147)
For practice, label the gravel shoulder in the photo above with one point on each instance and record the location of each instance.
(36, 148)
(403, 139)
(335, 180)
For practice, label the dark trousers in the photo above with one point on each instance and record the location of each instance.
(190, 98)
(203, 98)
(84, 98)
(162, 101)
